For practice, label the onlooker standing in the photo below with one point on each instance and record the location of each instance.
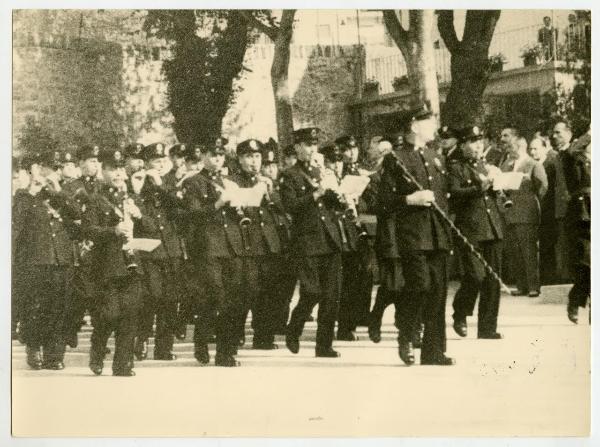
(523, 218)
(553, 252)
(547, 36)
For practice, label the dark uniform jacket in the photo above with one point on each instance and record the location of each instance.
(43, 227)
(417, 227)
(577, 169)
(261, 233)
(212, 233)
(159, 212)
(315, 225)
(477, 213)
(103, 213)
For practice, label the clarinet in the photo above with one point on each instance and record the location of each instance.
(488, 268)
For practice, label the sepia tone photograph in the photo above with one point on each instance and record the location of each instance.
(300, 223)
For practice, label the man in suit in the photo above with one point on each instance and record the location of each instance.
(318, 239)
(44, 223)
(108, 221)
(523, 218)
(422, 237)
(577, 169)
(553, 246)
(217, 252)
(547, 36)
(478, 218)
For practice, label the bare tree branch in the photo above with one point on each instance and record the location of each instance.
(447, 30)
(270, 31)
(394, 27)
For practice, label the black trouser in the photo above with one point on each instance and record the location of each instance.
(425, 290)
(45, 292)
(580, 292)
(390, 284)
(162, 281)
(284, 284)
(320, 279)
(83, 291)
(116, 309)
(523, 256)
(223, 282)
(355, 298)
(475, 281)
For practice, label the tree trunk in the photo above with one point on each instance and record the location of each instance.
(469, 65)
(416, 46)
(279, 81)
(424, 61)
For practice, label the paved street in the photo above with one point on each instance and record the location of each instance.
(534, 382)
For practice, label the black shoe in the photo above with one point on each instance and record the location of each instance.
(141, 350)
(533, 294)
(517, 292)
(54, 365)
(262, 345)
(292, 343)
(374, 333)
(310, 319)
(346, 336)
(326, 352)
(226, 360)
(573, 314)
(34, 359)
(124, 373)
(460, 326)
(490, 336)
(164, 356)
(406, 352)
(441, 360)
(202, 355)
(96, 367)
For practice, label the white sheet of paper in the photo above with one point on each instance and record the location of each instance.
(508, 181)
(329, 181)
(142, 244)
(248, 196)
(353, 185)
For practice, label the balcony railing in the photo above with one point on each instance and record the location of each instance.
(566, 44)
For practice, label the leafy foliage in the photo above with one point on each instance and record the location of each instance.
(35, 137)
(207, 48)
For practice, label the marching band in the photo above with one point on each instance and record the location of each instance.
(148, 241)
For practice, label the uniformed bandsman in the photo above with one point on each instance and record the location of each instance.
(318, 240)
(44, 221)
(478, 217)
(108, 221)
(577, 164)
(162, 267)
(216, 249)
(422, 237)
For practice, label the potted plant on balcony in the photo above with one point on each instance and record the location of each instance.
(497, 62)
(400, 82)
(532, 55)
(371, 87)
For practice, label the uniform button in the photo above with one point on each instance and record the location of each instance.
(447, 195)
(469, 182)
(53, 234)
(262, 224)
(430, 178)
(225, 225)
(488, 210)
(322, 217)
(320, 205)
(205, 196)
(161, 227)
(60, 219)
(158, 215)
(223, 212)
(426, 164)
(51, 223)
(260, 211)
(35, 206)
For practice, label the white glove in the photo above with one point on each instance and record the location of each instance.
(424, 197)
